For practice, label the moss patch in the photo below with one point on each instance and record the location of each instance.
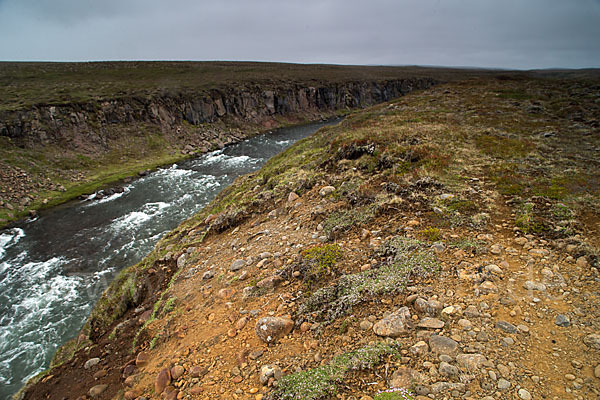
(407, 259)
(322, 382)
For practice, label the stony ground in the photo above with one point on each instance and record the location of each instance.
(445, 243)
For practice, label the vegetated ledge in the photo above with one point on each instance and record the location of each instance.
(55, 153)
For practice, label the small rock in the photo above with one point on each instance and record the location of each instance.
(225, 293)
(431, 323)
(494, 269)
(129, 381)
(521, 241)
(365, 325)
(506, 327)
(181, 261)
(593, 341)
(128, 370)
(237, 265)
(208, 274)
(92, 362)
(449, 311)
(97, 390)
(443, 345)
(197, 371)
(177, 372)
(270, 282)
(100, 374)
(496, 249)
(394, 325)
(570, 377)
(270, 371)
(534, 285)
(597, 371)
(439, 387)
(196, 390)
(418, 349)
(471, 312)
(256, 354)
(524, 394)
(326, 190)
(582, 262)
(562, 320)
(163, 379)
(539, 252)
(405, 377)
(293, 197)
(142, 359)
(465, 324)
(241, 323)
(471, 362)
(132, 394)
(438, 247)
(488, 287)
(448, 370)
(271, 329)
(503, 384)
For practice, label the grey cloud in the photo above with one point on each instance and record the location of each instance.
(511, 33)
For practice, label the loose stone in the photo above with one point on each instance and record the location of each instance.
(443, 345)
(97, 390)
(562, 320)
(524, 394)
(393, 325)
(271, 329)
(92, 362)
(506, 327)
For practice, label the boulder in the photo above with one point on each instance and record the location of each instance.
(97, 390)
(271, 329)
(443, 345)
(163, 379)
(394, 325)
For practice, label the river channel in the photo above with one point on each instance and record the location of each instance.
(54, 268)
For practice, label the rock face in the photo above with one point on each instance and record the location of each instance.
(271, 329)
(91, 125)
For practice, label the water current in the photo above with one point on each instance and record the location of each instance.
(54, 267)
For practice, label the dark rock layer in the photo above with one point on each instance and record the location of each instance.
(79, 125)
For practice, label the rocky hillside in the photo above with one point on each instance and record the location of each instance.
(442, 245)
(92, 124)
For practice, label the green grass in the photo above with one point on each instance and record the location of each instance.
(514, 94)
(432, 234)
(504, 147)
(319, 262)
(23, 84)
(411, 259)
(322, 382)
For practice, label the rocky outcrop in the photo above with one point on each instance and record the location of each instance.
(92, 124)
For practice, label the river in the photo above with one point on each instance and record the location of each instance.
(53, 268)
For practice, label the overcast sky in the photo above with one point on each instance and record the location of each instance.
(484, 33)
